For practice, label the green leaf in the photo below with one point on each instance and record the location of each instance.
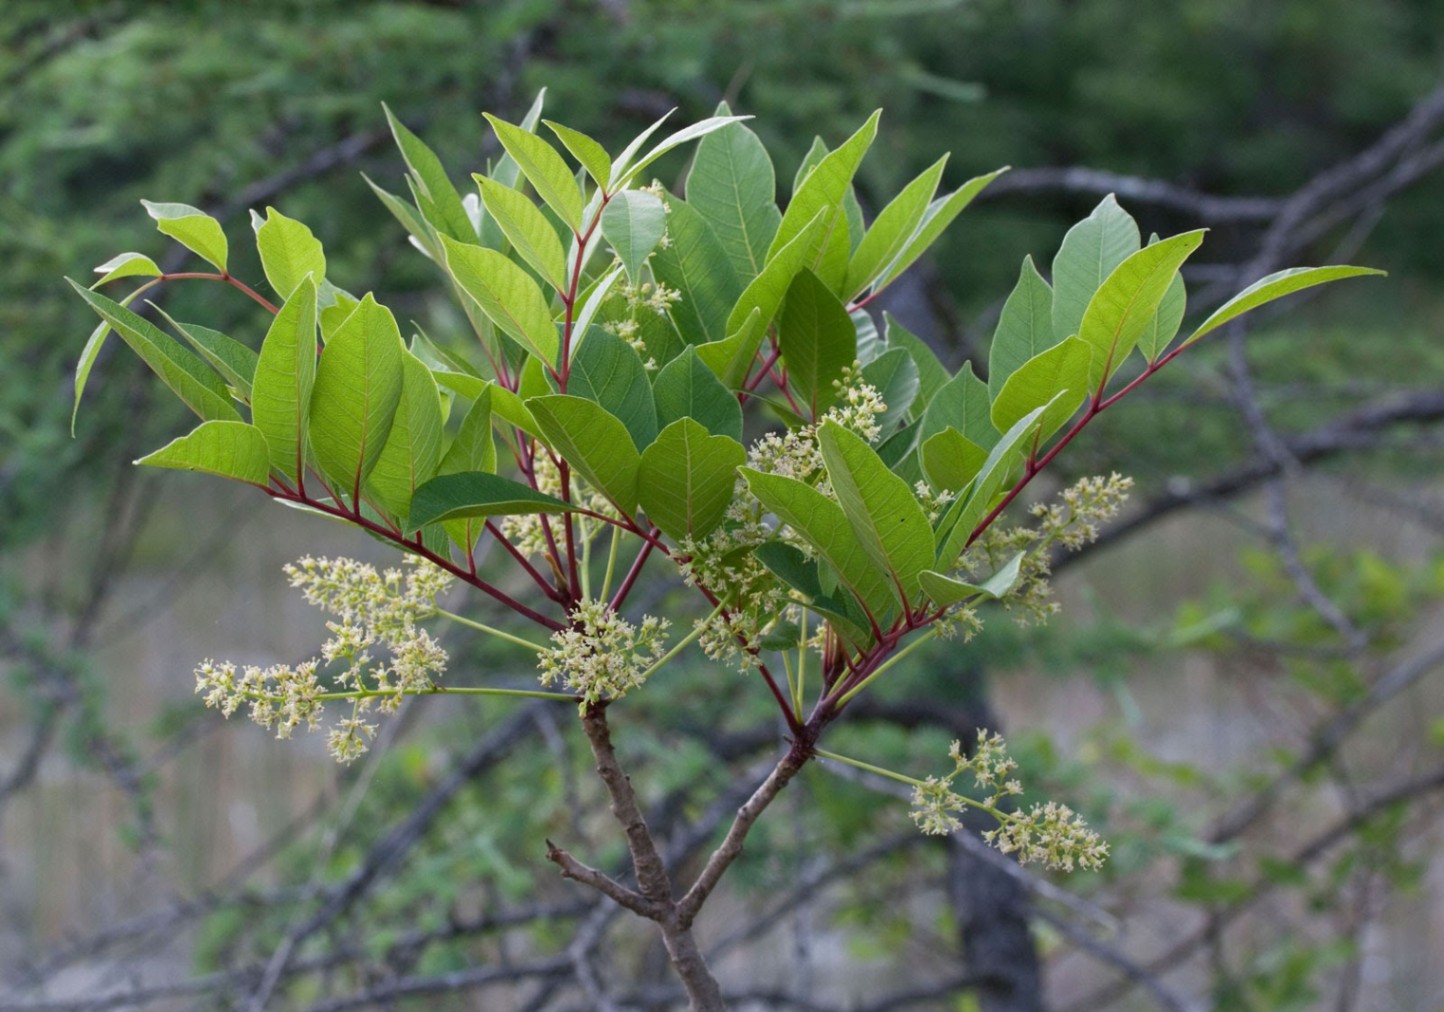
(127, 265)
(781, 635)
(533, 380)
(594, 442)
(846, 617)
(355, 395)
(856, 224)
(441, 359)
(733, 186)
(608, 370)
(527, 229)
(898, 448)
(869, 342)
(288, 251)
(1025, 328)
(884, 513)
(471, 450)
(285, 376)
(823, 192)
(821, 523)
(93, 346)
(895, 376)
(962, 404)
(185, 374)
(193, 229)
(791, 566)
(950, 460)
(231, 449)
(894, 226)
(464, 384)
(622, 172)
(1089, 253)
(413, 446)
(1163, 327)
(592, 156)
(767, 290)
(817, 338)
(437, 195)
(544, 169)
(936, 218)
(695, 264)
(967, 511)
(418, 228)
(233, 360)
(507, 406)
(506, 294)
(474, 494)
(932, 374)
(686, 388)
(731, 359)
(1125, 304)
(620, 163)
(944, 590)
(337, 313)
(506, 170)
(658, 337)
(1275, 286)
(633, 222)
(686, 479)
(815, 154)
(592, 298)
(1060, 378)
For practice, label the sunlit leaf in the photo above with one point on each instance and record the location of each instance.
(686, 479)
(230, 449)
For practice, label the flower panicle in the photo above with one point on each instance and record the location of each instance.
(374, 613)
(1073, 520)
(602, 655)
(1049, 833)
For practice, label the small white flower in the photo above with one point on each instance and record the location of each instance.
(601, 655)
(372, 610)
(1050, 834)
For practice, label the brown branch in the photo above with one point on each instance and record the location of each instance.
(731, 847)
(704, 993)
(603, 883)
(652, 878)
(1159, 192)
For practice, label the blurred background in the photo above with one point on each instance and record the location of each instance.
(1243, 691)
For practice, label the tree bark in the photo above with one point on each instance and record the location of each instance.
(992, 913)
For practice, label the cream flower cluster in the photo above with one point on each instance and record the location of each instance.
(1073, 521)
(372, 610)
(723, 563)
(795, 454)
(1050, 834)
(652, 295)
(602, 655)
